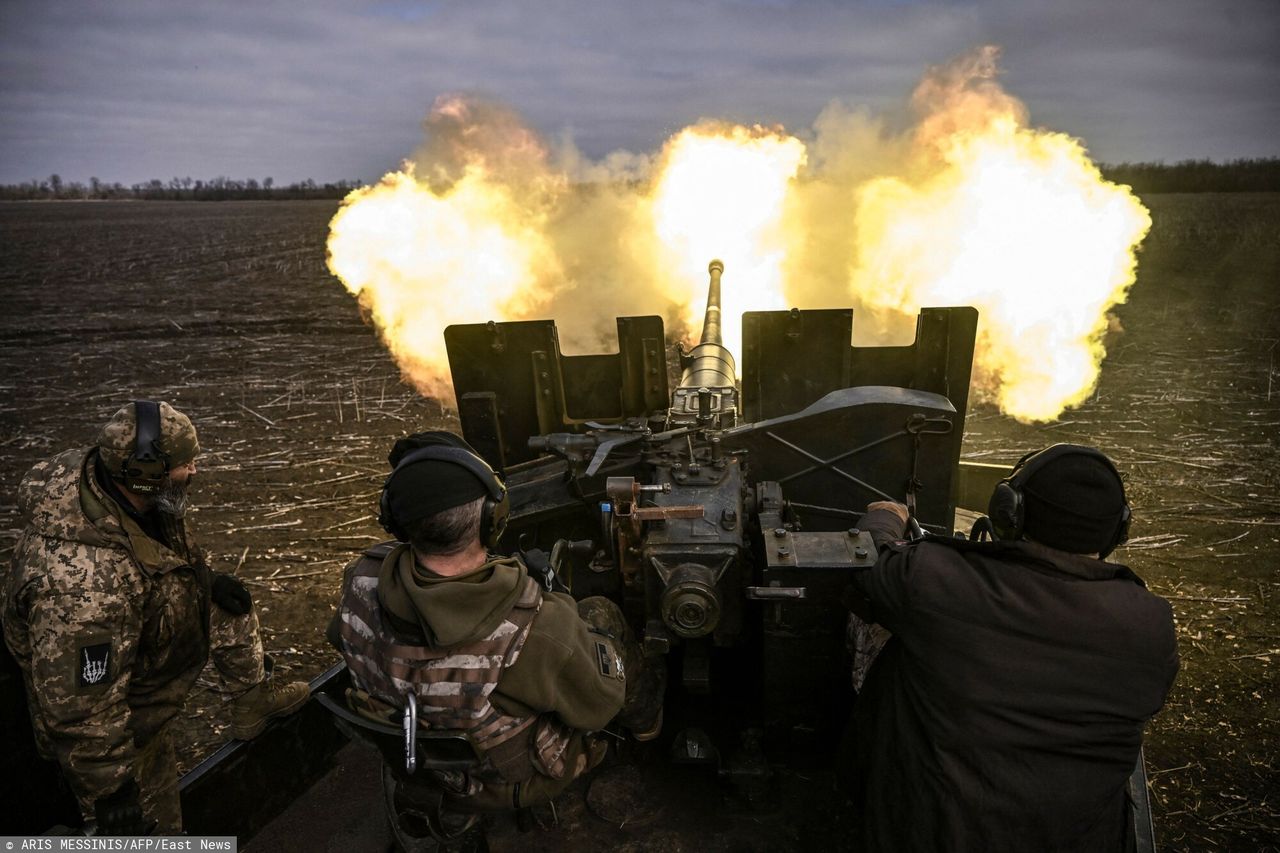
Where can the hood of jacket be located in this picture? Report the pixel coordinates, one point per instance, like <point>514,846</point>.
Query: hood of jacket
<point>49,500</point>
<point>60,499</point>
<point>448,611</point>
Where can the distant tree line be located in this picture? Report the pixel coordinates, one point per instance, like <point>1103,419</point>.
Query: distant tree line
<point>175,189</point>
<point>1187,176</point>
<point>1198,176</point>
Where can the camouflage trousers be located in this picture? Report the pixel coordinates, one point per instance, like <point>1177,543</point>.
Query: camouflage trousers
<point>865,640</point>
<point>156,771</point>
<point>236,654</point>
<point>646,677</point>
<point>235,648</point>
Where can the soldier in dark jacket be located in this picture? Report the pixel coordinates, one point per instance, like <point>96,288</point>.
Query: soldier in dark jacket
<point>112,612</point>
<point>1006,711</point>
<point>527,675</point>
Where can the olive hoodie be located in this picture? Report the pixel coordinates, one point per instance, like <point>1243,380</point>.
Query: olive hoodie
<point>558,669</point>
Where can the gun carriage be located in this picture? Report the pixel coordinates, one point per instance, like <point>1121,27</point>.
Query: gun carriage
<point>721,514</point>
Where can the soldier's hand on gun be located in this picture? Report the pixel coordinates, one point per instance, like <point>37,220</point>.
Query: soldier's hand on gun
<point>231,595</point>
<point>896,508</point>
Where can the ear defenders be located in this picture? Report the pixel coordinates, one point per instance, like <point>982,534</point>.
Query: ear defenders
<point>146,467</point>
<point>494,512</point>
<point>1008,508</point>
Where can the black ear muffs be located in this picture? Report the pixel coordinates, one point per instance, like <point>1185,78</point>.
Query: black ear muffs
<point>494,512</point>
<point>1122,531</point>
<point>386,519</point>
<point>144,470</point>
<point>1006,511</point>
<point>1007,508</point>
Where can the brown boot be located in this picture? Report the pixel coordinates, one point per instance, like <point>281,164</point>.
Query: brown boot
<point>265,701</point>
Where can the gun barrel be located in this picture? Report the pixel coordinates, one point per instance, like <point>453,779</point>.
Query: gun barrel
<point>710,364</point>
<point>711,321</point>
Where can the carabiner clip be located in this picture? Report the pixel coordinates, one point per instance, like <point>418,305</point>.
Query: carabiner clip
<point>411,734</point>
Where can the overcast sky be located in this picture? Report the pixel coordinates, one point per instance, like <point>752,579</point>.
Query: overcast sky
<point>127,91</point>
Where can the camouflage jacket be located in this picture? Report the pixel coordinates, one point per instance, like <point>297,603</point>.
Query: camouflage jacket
<point>109,625</point>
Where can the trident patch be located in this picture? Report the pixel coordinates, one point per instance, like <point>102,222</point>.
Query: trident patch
<point>94,664</point>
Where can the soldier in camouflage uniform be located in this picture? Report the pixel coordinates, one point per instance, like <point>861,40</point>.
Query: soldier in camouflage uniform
<point>526,674</point>
<point>112,611</point>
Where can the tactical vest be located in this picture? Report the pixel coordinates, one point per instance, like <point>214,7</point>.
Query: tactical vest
<point>452,686</point>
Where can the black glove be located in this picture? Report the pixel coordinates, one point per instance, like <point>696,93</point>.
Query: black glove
<point>231,595</point>
<point>120,813</point>
<point>538,562</point>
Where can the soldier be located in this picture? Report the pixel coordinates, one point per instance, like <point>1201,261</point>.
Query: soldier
<point>1006,711</point>
<point>107,608</point>
<point>525,674</point>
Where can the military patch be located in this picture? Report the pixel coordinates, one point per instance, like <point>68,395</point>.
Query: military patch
<point>604,660</point>
<point>610,664</point>
<point>94,665</point>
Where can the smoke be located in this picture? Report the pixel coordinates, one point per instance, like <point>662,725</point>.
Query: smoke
<point>962,99</point>
<point>964,204</point>
<point>474,134</point>
<point>570,200</point>
<point>1013,220</point>
<point>602,237</point>
<point>969,205</point>
<point>848,146</point>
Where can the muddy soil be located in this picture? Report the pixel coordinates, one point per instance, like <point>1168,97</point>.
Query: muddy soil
<point>227,311</point>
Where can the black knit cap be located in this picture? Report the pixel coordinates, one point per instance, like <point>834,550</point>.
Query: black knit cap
<point>1074,503</point>
<point>429,486</point>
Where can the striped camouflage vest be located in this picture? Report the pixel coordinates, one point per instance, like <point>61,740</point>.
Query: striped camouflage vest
<point>453,685</point>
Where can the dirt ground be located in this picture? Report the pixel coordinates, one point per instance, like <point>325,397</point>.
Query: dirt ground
<point>227,311</point>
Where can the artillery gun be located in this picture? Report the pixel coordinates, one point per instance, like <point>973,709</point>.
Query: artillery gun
<point>722,514</point>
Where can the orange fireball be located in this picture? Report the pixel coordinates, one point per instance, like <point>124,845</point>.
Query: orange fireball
<point>971,206</point>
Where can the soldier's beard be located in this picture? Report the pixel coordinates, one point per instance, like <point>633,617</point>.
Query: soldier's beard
<point>172,497</point>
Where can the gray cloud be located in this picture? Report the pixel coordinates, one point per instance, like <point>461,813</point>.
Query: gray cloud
<point>132,90</point>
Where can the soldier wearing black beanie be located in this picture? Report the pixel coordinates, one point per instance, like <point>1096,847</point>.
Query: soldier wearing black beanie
<point>422,489</point>
<point>1074,501</point>
<point>1005,711</point>
<point>525,674</point>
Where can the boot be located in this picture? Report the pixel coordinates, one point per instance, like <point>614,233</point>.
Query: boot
<point>641,712</point>
<point>650,732</point>
<point>265,701</point>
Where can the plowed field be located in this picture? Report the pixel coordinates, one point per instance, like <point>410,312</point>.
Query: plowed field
<point>227,311</point>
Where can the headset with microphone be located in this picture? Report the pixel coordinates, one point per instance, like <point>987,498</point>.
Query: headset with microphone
<point>146,467</point>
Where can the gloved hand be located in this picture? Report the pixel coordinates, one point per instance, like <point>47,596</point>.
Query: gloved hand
<point>538,562</point>
<point>231,595</point>
<point>120,813</point>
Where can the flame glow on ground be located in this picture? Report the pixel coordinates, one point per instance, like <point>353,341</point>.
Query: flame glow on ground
<point>970,207</point>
